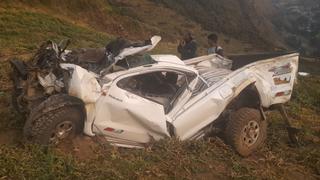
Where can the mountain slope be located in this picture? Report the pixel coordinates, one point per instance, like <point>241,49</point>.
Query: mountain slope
<point>139,19</point>
<point>241,19</point>
<point>242,25</point>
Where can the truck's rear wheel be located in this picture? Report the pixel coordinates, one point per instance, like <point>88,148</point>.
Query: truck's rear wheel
<point>246,130</point>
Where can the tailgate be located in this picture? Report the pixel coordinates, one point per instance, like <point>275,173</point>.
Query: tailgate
<point>277,76</point>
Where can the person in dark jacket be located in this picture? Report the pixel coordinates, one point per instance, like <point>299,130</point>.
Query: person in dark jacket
<point>187,47</point>
<point>213,45</point>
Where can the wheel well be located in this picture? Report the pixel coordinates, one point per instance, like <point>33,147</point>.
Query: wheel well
<point>249,97</point>
<point>56,102</point>
<point>52,104</point>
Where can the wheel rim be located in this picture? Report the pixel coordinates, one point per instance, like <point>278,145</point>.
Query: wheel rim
<point>250,133</point>
<point>61,131</point>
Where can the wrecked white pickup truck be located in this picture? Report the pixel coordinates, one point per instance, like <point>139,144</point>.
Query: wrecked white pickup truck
<point>132,98</point>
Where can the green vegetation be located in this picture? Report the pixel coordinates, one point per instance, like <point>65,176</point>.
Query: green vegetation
<point>22,31</point>
<point>307,93</point>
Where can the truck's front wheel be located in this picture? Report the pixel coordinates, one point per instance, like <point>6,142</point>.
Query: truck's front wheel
<point>246,130</point>
<point>52,121</point>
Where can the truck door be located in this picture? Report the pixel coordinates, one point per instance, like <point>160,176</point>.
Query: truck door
<point>136,104</point>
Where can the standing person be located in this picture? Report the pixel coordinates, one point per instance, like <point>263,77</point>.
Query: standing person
<point>187,47</point>
<point>213,45</point>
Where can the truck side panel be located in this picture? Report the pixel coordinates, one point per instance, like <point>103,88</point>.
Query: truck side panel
<point>274,79</point>
<point>204,108</point>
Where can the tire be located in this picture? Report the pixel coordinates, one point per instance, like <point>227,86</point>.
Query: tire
<point>46,122</point>
<point>50,104</point>
<point>55,126</point>
<point>246,131</point>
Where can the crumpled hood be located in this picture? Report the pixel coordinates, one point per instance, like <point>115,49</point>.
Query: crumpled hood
<point>135,50</point>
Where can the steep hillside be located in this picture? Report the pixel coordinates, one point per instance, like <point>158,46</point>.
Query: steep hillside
<point>22,31</point>
<point>136,19</point>
<point>299,23</point>
<point>241,19</point>
<point>243,25</point>
<point>25,24</point>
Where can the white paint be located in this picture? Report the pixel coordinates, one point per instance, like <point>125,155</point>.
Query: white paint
<point>139,120</point>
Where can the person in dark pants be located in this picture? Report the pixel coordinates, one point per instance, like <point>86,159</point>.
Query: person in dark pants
<point>213,45</point>
<point>187,47</point>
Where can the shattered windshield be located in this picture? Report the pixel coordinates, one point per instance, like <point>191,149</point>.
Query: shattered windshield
<point>136,60</point>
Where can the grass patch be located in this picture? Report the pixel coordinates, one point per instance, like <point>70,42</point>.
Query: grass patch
<point>22,31</point>
<point>307,92</point>
<point>304,110</point>
<point>33,162</point>
<point>168,159</point>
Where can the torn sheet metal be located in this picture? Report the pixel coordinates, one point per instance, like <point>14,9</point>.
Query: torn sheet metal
<point>83,84</point>
<point>212,61</point>
<point>135,50</point>
<point>50,83</point>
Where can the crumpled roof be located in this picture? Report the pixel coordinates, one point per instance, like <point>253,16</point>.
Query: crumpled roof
<point>210,76</point>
